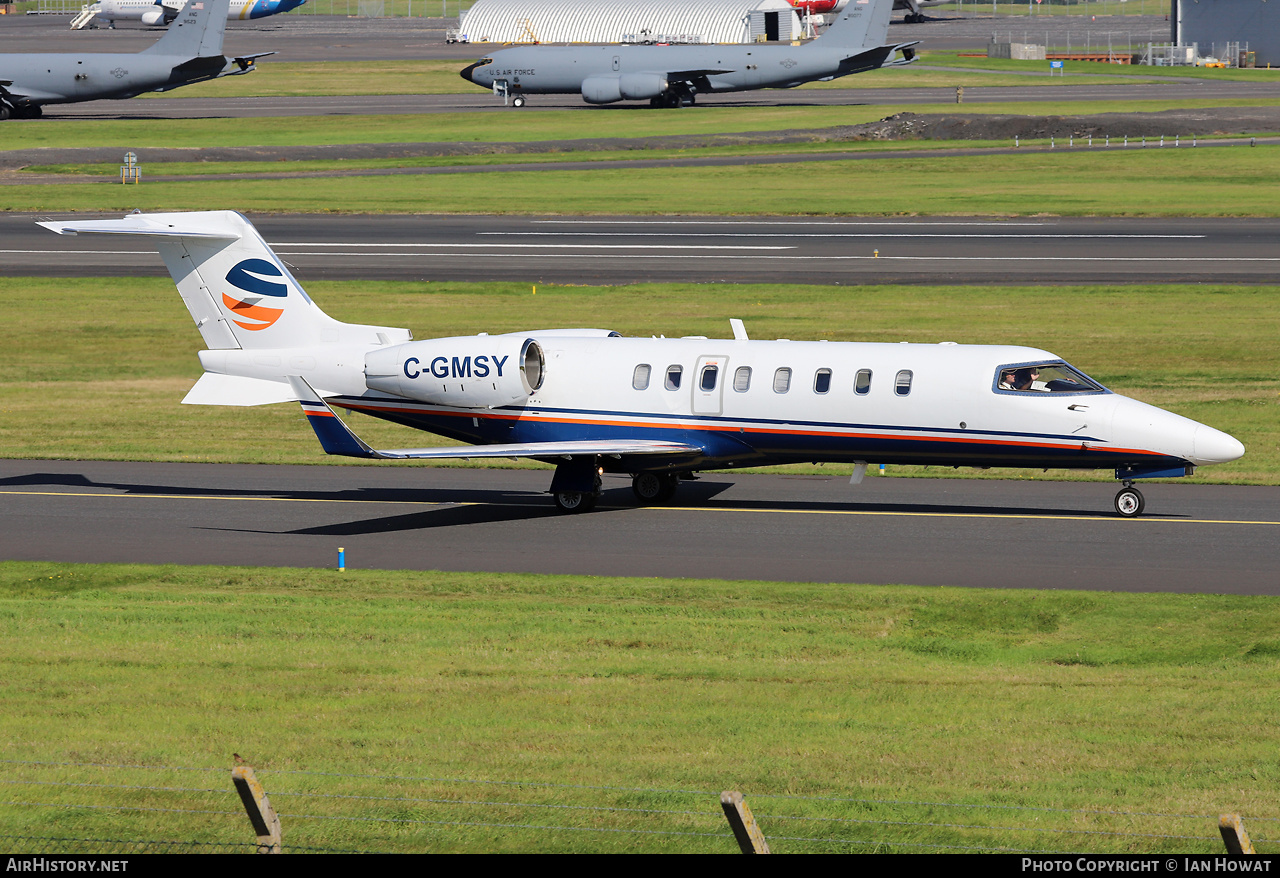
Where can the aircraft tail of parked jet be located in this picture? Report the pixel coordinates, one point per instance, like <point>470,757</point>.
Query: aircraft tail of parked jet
<point>862,24</point>
<point>199,36</point>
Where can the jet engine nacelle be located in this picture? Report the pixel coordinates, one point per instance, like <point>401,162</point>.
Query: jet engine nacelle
<point>641,86</point>
<point>628,86</point>
<point>152,17</point>
<point>601,89</point>
<point>474,371</point>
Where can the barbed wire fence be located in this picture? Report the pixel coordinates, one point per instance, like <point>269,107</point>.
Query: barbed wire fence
<point>98,808</point>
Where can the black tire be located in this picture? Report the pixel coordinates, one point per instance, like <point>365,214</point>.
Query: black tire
<point>517,101</point>
<point>1130,503</point>
<point>575,501</point>
<point>5,112</point>
<point>652,488</point>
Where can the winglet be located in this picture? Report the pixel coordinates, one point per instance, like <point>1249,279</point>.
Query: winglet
<point>335,437</point>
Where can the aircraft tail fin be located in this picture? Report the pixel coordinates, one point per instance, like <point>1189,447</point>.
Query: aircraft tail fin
<point>863,24</point>
<point>196,32</point>
<point>237,290</point>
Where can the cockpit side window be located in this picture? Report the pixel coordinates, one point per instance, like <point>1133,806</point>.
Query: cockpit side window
<point>1051,377</point>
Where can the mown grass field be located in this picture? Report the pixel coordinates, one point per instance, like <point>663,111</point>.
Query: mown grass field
<point>1212,181</point>
<point>96,368</point>
<point>619,120</point>
<point>391,711</point>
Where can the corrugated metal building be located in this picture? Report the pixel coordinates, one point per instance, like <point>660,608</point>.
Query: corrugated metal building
<point>629,21</point>
<point>1243,25</point>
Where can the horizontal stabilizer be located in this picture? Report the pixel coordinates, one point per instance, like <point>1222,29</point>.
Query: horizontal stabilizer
<point>336,438</point>
<point>217,389</point>
<point>152,225</point>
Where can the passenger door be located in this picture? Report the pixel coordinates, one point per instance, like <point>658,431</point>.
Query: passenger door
<point>708,384</point>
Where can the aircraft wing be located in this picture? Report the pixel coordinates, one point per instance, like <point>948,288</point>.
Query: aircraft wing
<point>336,438</point>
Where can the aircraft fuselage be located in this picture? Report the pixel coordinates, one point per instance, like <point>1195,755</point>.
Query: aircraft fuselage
<point>65,79</point>
<point>772,402</point>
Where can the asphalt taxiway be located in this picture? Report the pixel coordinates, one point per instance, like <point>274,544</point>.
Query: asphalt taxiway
<point>998,534</point>
<point>620,250</point>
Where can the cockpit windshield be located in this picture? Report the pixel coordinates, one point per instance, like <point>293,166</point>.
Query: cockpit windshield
<point>1052,377</point>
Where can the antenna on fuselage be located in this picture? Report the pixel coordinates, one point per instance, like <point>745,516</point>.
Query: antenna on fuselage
<point>739,330</point>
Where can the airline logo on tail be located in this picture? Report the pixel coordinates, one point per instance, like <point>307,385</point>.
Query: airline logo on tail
<point>254,276</point>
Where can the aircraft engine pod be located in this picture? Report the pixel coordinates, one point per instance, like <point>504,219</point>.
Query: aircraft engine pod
<point>641,86</point>
<point>628,86</point>
<point>152,17</point>
<point>478,371</point>
<point>601,89</point>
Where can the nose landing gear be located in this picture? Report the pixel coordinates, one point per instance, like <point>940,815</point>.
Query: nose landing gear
<point>1130,502</point>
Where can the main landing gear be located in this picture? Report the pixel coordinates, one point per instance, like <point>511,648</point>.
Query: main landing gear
<point>576,486</point>
<point>673,99</point>
<point>653,488</point>
<point>576,501</point>
<point>1130,502</point>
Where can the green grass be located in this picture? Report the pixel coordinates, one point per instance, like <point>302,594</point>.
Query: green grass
<point>391,703</point>
<point>95,368</point>
<point>1212,181</point>
<point>621,120</point>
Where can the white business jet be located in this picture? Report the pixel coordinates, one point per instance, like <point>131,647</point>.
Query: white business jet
<point>658,409</point>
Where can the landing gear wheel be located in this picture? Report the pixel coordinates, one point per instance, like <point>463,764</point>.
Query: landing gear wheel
<point>672,100</point>
<point>517,101</point>
<point>575,501</point>
<point>1130,502</point>
<point>651,488</point>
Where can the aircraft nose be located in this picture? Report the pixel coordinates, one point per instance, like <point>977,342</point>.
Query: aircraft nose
<point>1213,446</point>
<point>466,71</point>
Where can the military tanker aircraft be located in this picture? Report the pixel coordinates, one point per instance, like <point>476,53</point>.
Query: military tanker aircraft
<point>190,51</point>
<point>673,76</point>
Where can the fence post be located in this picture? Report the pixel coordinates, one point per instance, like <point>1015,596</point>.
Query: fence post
<point>261,815</point>
<point>1233,835</point>
<point>745,830</point>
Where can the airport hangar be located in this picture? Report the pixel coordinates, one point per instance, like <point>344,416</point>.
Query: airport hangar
<point>1253,24</point>
<point>629,21</point>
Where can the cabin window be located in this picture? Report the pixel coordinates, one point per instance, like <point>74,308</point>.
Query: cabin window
<point>862,382</point>
<point>902,384</point>
<point>1056,377</point>
<point>742,379</point>
<point>673,377</point>
<point>640,378</point>
<point>709,375</point>
<point>822,381</point>
<point>782,380</point>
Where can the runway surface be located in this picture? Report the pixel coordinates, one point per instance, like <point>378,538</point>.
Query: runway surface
<point>479,101</point>
<point>1057,535</point>
<point>620,250</point>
